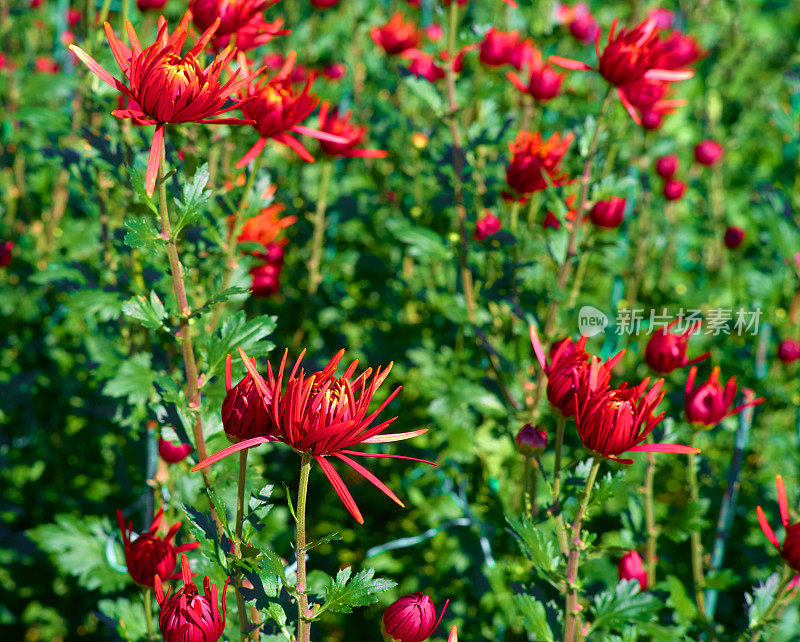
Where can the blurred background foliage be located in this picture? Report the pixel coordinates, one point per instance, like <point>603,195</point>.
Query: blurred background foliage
<point>81,379</point>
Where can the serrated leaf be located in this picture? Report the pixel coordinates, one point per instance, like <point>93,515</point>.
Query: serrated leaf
<point>759,600</point>
<point>219,298</point>
<point>195,194</point>
<point>679,601</point>
<point>133,380</point>
<point>149,312</point>
<point>127,616</point>
<point>77,545</point>
<point>238,332</point>
<point>626,605</point>
<point>137,182</point>
<point>142,233</point>
<point>342,594</point>
<point>535,545</point>
<point>534,617</point>
<point>97,304</point>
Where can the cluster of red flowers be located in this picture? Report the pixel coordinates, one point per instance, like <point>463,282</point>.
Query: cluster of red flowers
<point>265,229</point>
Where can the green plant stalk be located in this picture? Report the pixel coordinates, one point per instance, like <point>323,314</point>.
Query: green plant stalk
<point>233,240</point>
<point>237,547</point>
<point>303,613</point>
<point>318,238</point>
<point>753,633</point>
<point>696,542</point>
<point>148,612</point>
<point>650,520</point>
<point>561,531</point>
<point>571,629</point>
<point>187,350</point>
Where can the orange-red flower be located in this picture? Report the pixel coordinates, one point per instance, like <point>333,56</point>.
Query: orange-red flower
<point>397,35</point>
<point>325,416</point>
<point>241,20</point>
<point>265,227</point>
<point>533,157</point>
<point>167,87</point>
<point>332,123</point>
<point>276,108</point>
<point>790,549</point>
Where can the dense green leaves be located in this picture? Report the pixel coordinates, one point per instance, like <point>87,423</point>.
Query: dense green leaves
<point>342,594</point>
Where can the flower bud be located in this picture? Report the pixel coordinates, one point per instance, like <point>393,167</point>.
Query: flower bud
<point>584,28</point>
<point>733,237</point>
<point>666,166</point>
<point>244,414</point>
<point>531,441</point>
<point>666,352</point>
<point>674,189</point>
<point>707,152</point>
<point>709,402</point>
<point>412,618</point>
<point>324,4</point>
<point>608,213</point>
<point>5,253</point>
<point>631,568</point>
<point>789,351</point>
<point>487,225</point>
<point>173,453</point>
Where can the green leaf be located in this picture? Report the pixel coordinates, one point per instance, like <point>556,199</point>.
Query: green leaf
<point>238,332</point>
<point>150,313</point>
<point>142,233</point>
<point>535,545</point>
<point>423,242</point>
<point>219,298</point>
<point>96,304</point>
<point>77,545</point>
<point>426,92</point>
<point>626,605</point>
<point>534,617</point>
<point>128,615</point>
<point>683,606</point>
<point>137,182</point>
<point>58,272</point>
<point>195,194</point>
<point>341,595</point>
<point>133,380</point>
<point>759,600</point>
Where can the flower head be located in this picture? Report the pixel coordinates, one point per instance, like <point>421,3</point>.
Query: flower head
<point>733,237</point>
<point>173,453</point>
<point>423,65</point>
<point>165,86</point>
<point>666,351</point>
<point>485,226</point>
<point>709,403</point>
<point>608,213</point>
<point>613,421</point>
<point>412,618</point>
<point>707,152</point>
<point>148,555</point>
<point>543,82</point>
<point>630,567</point>
<point>6,249</point>
<point>666,166</point>
<point>266,226</point>
<point>533,157</point>
<point>531,440</point>
<point>241,20</point>
<point>188,616</point>
<point>244,413</point>
<point>674,189</point>
<point>397,35</point>
<point>500,48</point>
<point>324,416</point>
<point>790,549</point>
<point>788,351</point>
<point>331,122</point>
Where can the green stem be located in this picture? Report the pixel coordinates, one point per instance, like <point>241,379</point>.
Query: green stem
<point>233,239</point>
<point>696,542</point>
<point>189,363</point>
<point>237,546</point>
<point>318,239</point>
<point>753,633</point>
<point>303,613</point>
<point>148,612</point>
<point>571,629</point>
<point>561,531</point>
<point>650,520</point>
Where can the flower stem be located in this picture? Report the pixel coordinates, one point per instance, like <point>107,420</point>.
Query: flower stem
<point>571,630</point>
<point>148,612</point>
<point>696,542</point>
<point>753,633</point>
<point>650,520</point>
<point>303,613</point>
<point>318,239</point>
<point>233,239</point>
<point>561,531</point>
<point>189,363</point>
<point>237,544</point>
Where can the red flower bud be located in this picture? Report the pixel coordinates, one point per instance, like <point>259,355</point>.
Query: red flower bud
<point>155,5</point>
<point>789,351</point>
<point>486,226</point>
<point>244,414</point>
<point>709,403</point>
<point>149,555</point>
<point>531,441</point>
<point>173,453</point>
<point>674,189</point>
<point>324,4</point>
<point>631,568</point>
<point>188,616</point>
<point>707,152</point>
<point>666,352</point>
<point>5,253</point>
<point>667,165</point>
<point>733,237</point>
<point>499,48</point>
<point>412,618</point>
<point>584,28</point>
<point>543,83</point>
<point>608,213</point>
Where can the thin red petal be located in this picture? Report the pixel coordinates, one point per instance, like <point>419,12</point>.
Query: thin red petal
<point>665,448</point>
<point>340,488</point>
<point>569,63</point>
<point>154,160</point>
<point>762,521</point>
<point>235,448</point>
<point>370,477</point>
<point>783,505</point>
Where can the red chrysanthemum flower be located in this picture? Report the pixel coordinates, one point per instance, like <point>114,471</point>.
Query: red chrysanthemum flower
<point>149,555</point>
<point>629,56</point>
<point>613,421</point>
<point>397,35</point>
<point>533,157</point>
<point>188,616</point>
<point>265,227</point>
<point>708,403</point>
<point>277,108</point>
<point>325,416</point>
<point>790,549</point>
<point>331,122</point>
<point>412,618</point>
<point>423,65</point>
<point>165,87</point>
<point>666,352</point>
<point>240,20</point>
<point>244,413</point>
<point>543,82</point>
